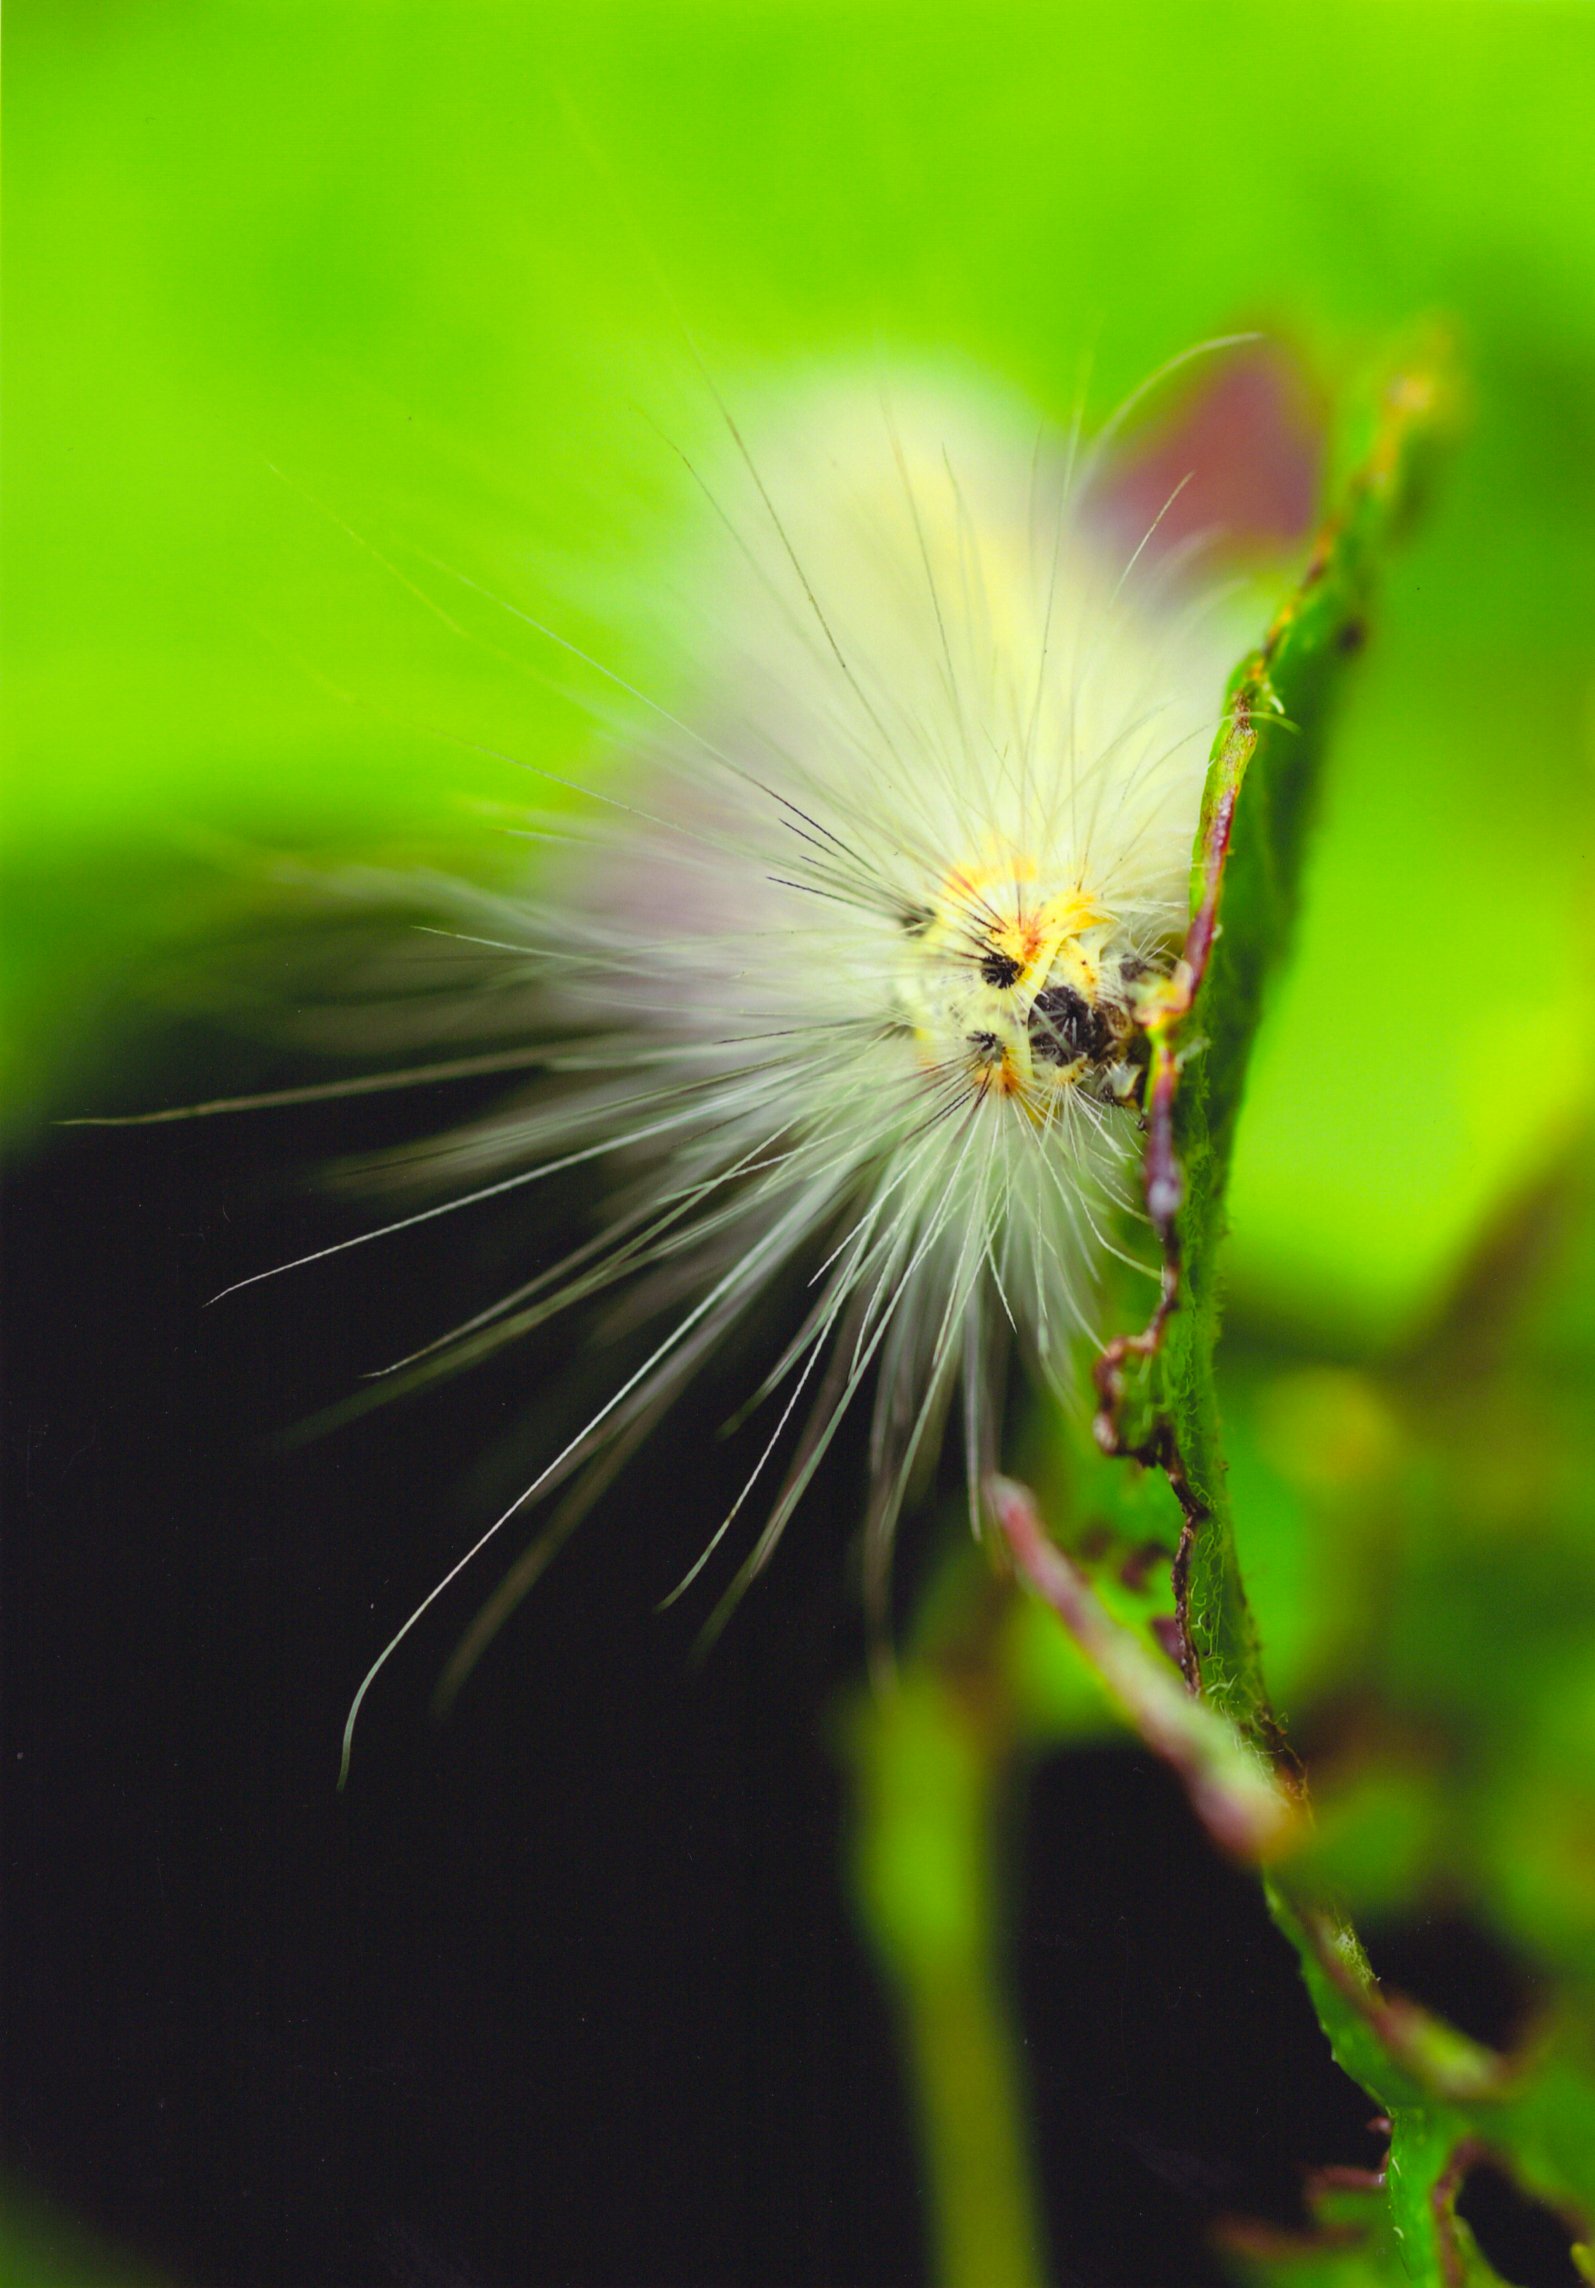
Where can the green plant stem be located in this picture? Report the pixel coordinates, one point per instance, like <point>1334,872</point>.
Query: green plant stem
<point>934,1765</point>
<point>973,2134</point>
<point>1447,2100</point>
<point>936,1761</point>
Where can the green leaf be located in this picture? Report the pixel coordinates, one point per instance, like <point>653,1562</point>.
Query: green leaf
<point>1258,803</point>
<point>1448,2101</point>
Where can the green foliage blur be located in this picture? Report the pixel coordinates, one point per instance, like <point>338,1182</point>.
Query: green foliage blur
<point>299,296</point>
<point>421,260</point>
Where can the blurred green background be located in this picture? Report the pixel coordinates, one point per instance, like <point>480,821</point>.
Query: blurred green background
<point>285,281</point>
<point>412,257</point>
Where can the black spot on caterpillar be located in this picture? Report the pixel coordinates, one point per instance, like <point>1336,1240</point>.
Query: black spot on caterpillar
<point>1000,969</point>
<point>1064,1026</point>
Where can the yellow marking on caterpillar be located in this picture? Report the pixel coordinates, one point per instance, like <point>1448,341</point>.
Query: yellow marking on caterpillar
<point>971,978</point>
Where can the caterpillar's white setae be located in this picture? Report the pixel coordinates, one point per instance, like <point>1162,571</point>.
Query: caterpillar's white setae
<point>844,963</point>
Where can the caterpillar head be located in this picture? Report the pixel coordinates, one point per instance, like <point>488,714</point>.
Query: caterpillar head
<point>1031,989</point>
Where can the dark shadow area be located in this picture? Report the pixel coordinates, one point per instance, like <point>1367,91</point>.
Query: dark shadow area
<point>1178,2071</point>
<point>1458,1969</point>
<point>1524,2241</point>
<point>564,1989</point>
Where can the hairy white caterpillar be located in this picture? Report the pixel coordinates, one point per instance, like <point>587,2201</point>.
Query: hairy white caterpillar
<point>841,966</point>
